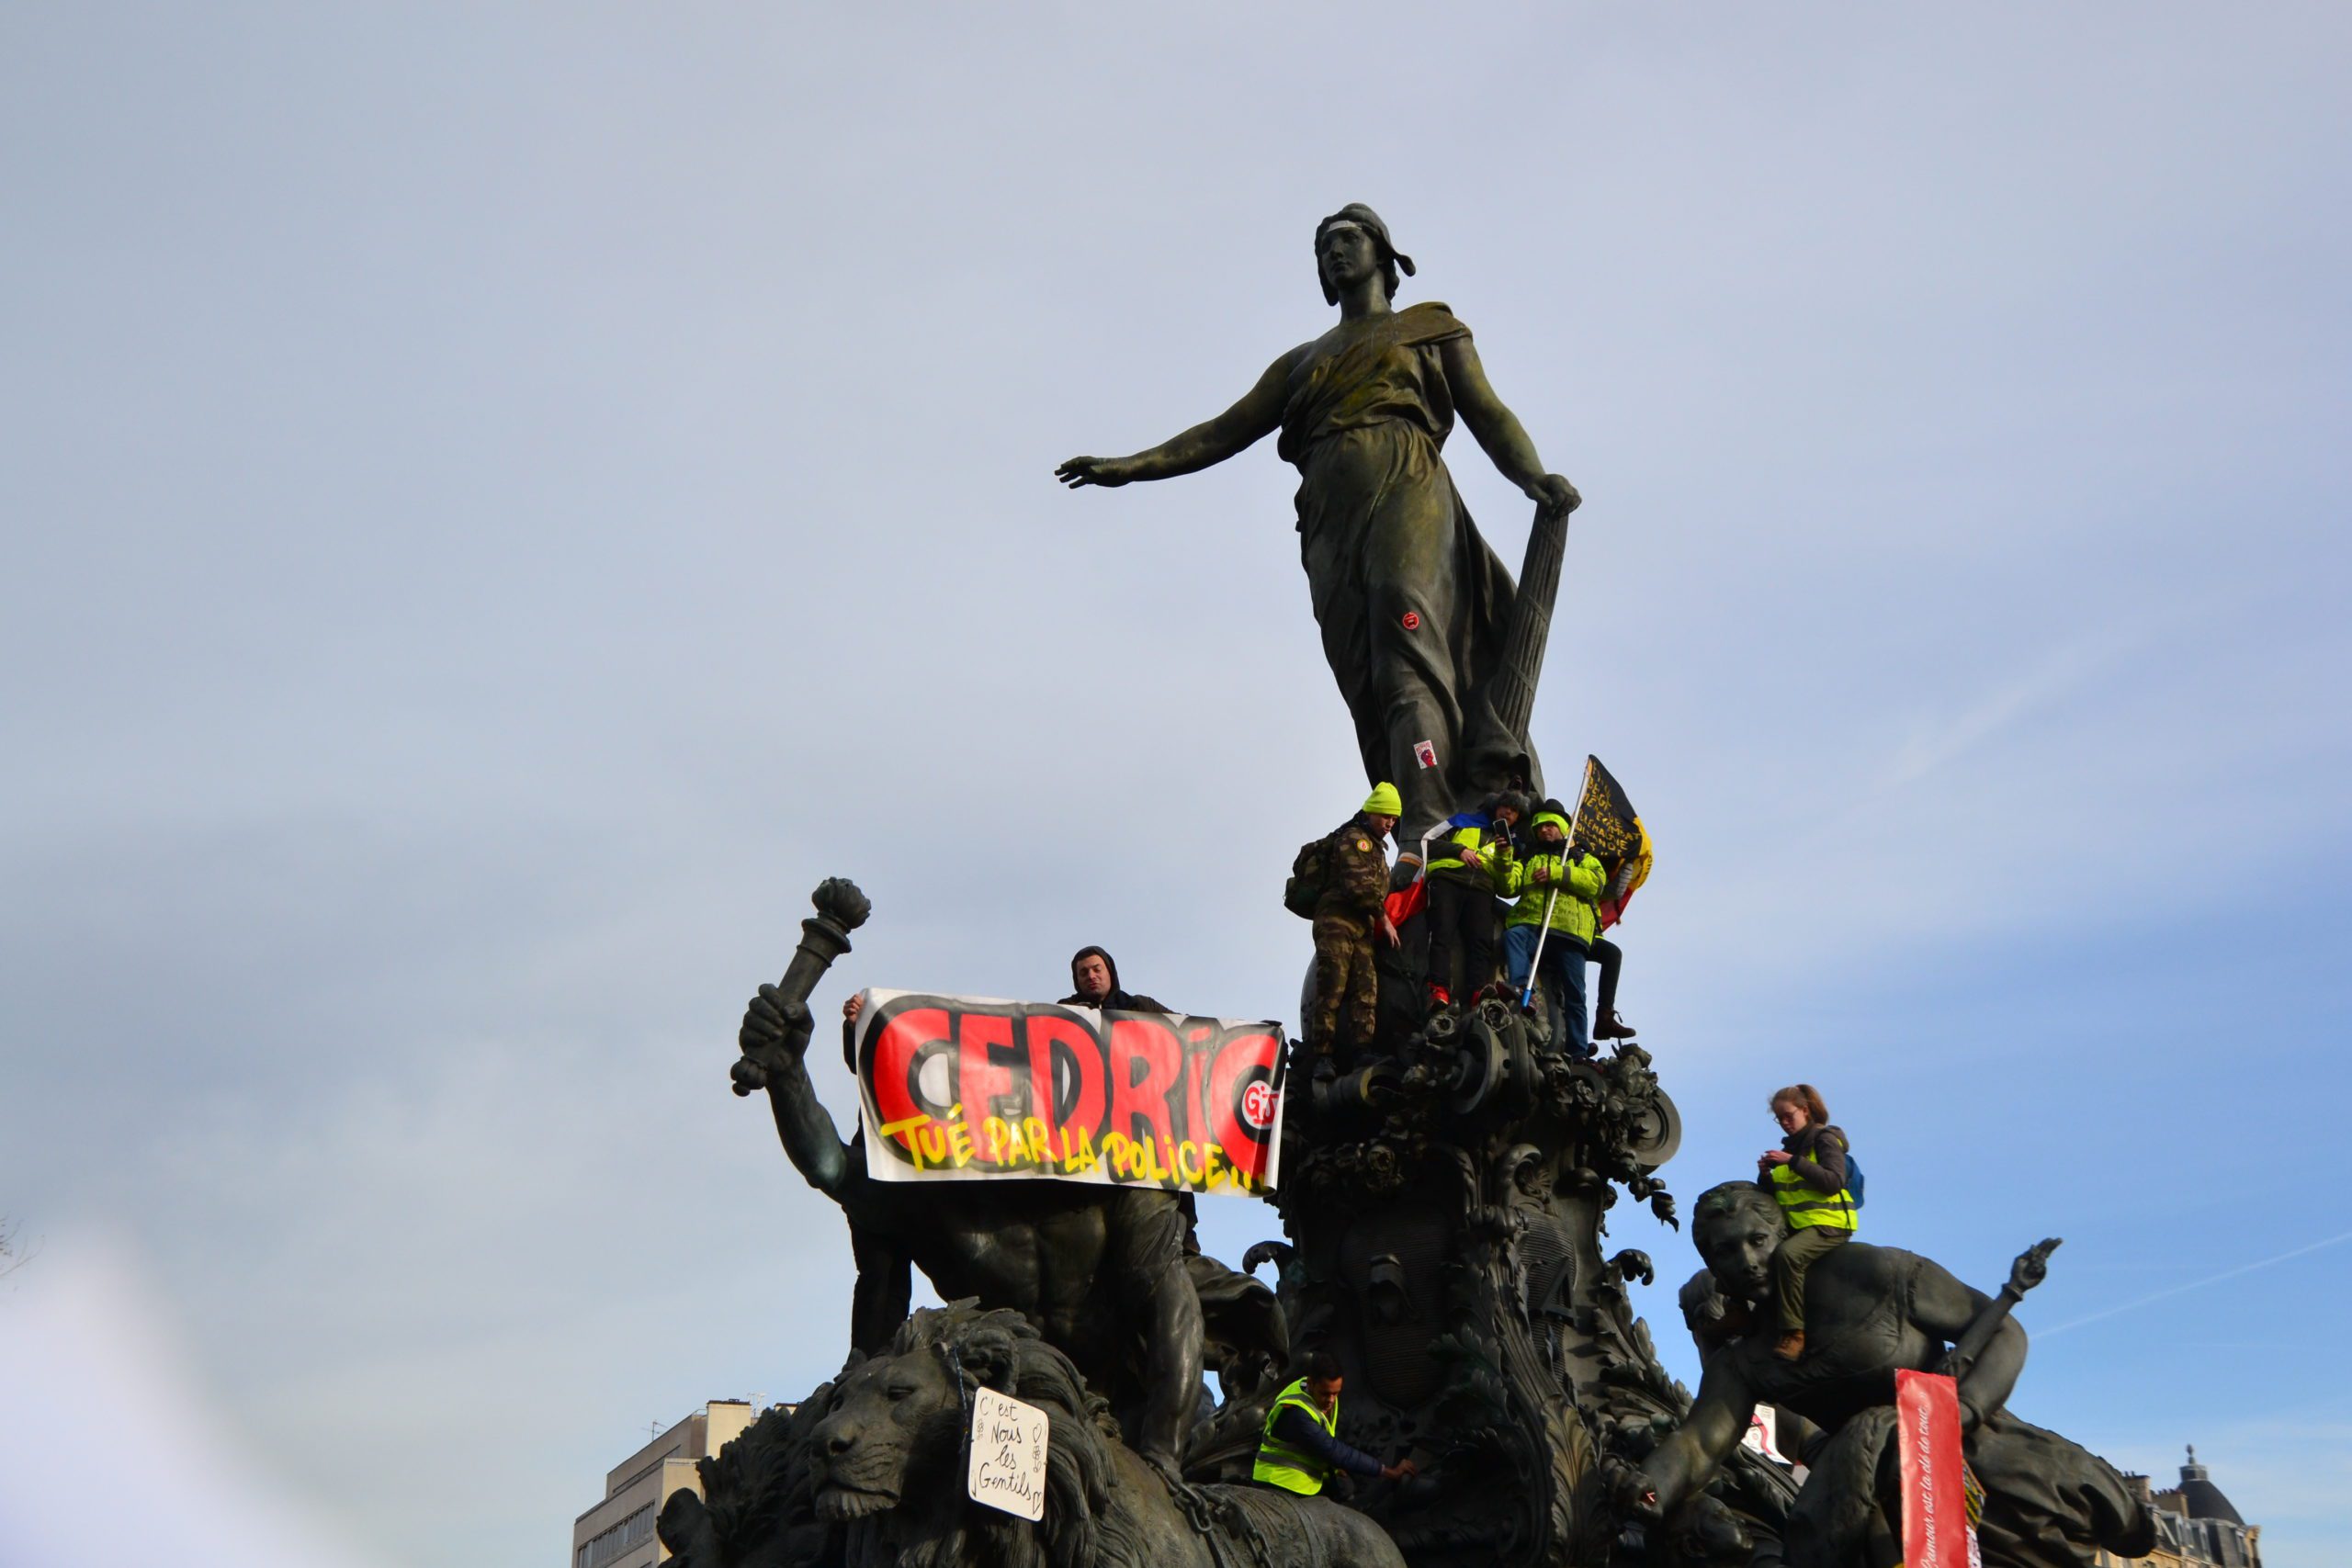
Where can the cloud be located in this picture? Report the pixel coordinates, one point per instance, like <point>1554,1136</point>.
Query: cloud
<point>112,1452</point>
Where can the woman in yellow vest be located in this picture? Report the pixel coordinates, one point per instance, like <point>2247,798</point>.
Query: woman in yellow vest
<point>1806,1176</point>
<point>1300,1447</point>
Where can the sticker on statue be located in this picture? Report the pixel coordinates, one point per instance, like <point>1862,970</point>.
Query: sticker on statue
<point>1008,1469</point>
<point>1424,753</point>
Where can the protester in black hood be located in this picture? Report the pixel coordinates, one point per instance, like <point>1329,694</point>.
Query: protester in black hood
<point>1096,974</point>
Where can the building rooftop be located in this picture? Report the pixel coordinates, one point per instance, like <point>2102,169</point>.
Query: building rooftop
<point>2204,1500</point>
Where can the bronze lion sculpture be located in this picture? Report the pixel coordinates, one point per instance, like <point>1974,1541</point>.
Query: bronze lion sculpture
<point>869,1473</point>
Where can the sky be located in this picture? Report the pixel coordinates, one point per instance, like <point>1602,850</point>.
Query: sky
<point>502,500</point>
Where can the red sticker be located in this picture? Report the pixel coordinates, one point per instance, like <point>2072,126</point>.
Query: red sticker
<point>1412,620</point>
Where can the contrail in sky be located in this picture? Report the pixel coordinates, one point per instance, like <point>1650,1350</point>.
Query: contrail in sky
<point>2198,1284</point>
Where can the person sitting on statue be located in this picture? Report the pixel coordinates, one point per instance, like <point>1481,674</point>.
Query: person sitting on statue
<point>1352,905</point>
<point>1462,865</point>
<point>1553,925</point>
<point>2047,1503</point>
<point>1095,974</point>
<point>1806,1176</point>
<point>1300,1449</point>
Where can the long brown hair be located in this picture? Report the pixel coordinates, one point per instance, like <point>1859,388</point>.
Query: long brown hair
<point>1802,1094</point>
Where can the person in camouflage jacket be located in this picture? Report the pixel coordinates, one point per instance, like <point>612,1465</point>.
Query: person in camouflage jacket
<point>1351,907</point>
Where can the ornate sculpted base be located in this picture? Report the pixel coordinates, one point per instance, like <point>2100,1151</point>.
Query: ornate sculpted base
<point>1446,1209</point>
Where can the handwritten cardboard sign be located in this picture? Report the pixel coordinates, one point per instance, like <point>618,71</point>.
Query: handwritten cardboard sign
<point>1008,1468</point>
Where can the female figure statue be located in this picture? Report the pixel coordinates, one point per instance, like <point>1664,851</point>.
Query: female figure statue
<point>1411,600</point>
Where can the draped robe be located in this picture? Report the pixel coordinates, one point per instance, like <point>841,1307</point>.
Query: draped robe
<point>1411,602</point>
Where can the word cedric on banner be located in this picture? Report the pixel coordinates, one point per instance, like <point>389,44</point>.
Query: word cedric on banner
<point>960,1087</point>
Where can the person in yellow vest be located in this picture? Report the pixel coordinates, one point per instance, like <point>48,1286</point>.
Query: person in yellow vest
<point>1464,863</point>
<point>1553,924</point>
<point>1300,1446</point>
<point>1806,1176</point>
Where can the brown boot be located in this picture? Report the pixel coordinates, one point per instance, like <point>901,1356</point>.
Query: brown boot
<point>1609,1026</point>
<point>1789,1344</point>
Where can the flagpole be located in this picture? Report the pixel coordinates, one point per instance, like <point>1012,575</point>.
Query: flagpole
<point>1528,996</point>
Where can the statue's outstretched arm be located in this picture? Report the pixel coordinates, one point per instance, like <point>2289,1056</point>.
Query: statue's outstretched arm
<point>1258,415</point>
<point>1942,1306</point>
<point>1718,1419</point>
<point>775,1036</point>
<point>1498,431</point>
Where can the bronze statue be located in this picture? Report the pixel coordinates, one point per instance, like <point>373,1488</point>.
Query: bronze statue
<point>869,1473</point>
<point>1100,1272</point>
<point>1871,1309</point>
<point>1414,607</point>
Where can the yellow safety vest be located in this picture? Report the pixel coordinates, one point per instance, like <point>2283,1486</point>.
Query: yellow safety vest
<point>1280,1465</point>
<point>1801,1206</point>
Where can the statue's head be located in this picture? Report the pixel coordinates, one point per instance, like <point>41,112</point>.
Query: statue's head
<point>1351,245</point>
<point>1736,1226</point>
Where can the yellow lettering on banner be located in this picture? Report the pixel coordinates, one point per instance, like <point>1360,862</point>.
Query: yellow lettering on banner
<point>1033,1134</point>
<point>1212,1166</point>
<point>1188,1162</point>
<point>908,1132</point>
<point>1115,1149</point>
<point>996,1136</point>
<point>934,1139</point>
<point>1086,1156</point>
<point>960,1142</point>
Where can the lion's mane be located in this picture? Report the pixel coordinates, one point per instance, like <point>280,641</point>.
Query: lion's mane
<point>1083,1526</point>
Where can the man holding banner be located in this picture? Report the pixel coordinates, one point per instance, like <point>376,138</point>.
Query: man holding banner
<point>1094,980</point>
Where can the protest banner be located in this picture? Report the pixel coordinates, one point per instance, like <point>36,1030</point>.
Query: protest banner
<point>1935,1508</point>
<point>962,1088</point>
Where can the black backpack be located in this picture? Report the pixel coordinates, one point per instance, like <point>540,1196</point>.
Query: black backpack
<point>1308,872</point>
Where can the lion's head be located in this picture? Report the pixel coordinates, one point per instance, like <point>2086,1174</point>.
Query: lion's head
<point>888,1454</point>
<point>895,1423</point>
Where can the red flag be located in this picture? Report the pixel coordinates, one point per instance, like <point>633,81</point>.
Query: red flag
<point>1406,902</point>
<point>1935,1511</point>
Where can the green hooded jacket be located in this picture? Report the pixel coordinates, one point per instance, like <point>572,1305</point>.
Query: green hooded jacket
<point>1575,913</point>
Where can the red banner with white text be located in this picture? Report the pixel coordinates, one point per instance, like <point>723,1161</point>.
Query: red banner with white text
<point>961,1087</point>
<point>1935,1507</point>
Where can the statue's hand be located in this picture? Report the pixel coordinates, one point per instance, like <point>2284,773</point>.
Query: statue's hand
<point>1553,493</point>
<point>1108,472</point>
<point>775,1023</point>
<point>1632,1494</point>
<point>2033,1266</point>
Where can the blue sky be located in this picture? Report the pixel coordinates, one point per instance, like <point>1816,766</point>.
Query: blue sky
<point>502,500</point>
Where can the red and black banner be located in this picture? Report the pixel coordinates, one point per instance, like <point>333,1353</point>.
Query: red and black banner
<point>958,1089</point>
